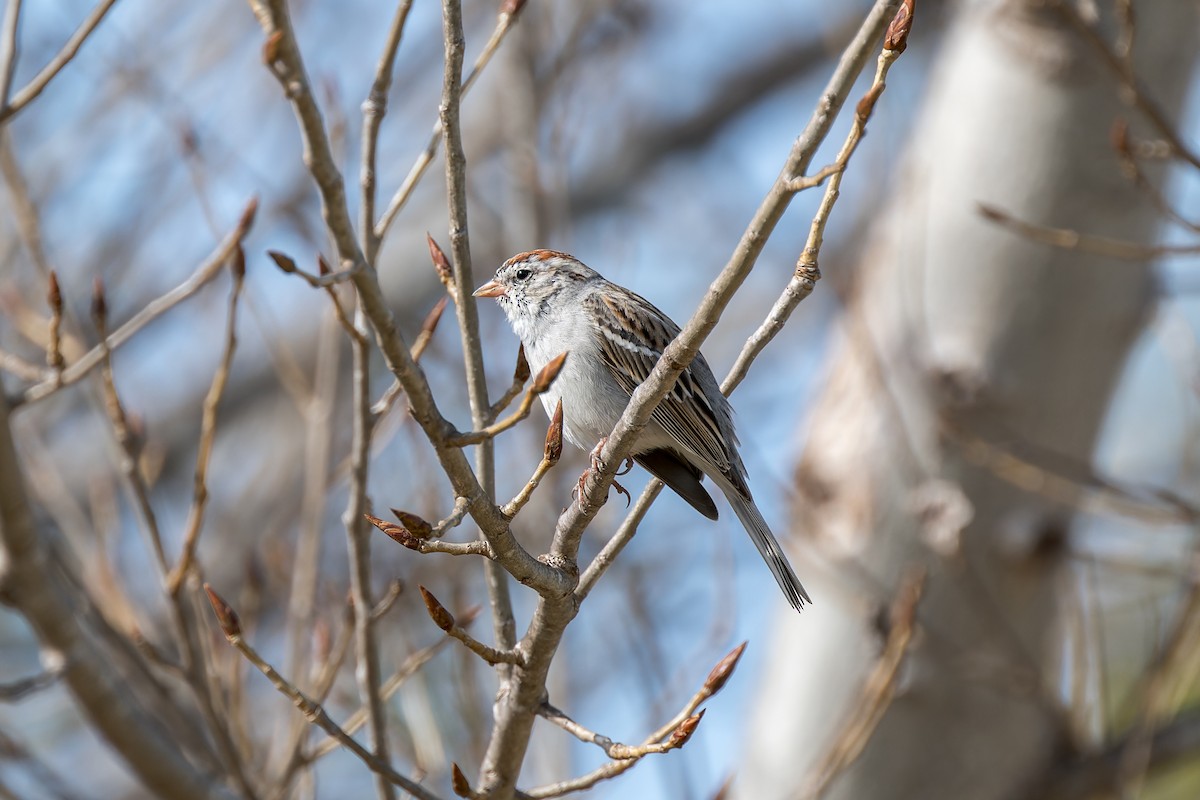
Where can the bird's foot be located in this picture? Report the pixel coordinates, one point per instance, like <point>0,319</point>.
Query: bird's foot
<point>597,465</point>
<point>581,497</point>
<point>594,456</point>
<point>598,462</point>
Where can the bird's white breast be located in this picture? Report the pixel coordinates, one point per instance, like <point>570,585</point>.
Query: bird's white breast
<point>592,401</point>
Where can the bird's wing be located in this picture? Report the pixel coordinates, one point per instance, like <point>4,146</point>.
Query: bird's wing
<point>633,334</point>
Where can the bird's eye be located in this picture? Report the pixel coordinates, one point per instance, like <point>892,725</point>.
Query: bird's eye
<point>523,274</point>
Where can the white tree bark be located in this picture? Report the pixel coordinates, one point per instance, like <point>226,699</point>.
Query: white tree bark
<point>957,320</point>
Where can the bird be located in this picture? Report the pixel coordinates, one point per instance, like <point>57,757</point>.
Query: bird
<point>555,304</point>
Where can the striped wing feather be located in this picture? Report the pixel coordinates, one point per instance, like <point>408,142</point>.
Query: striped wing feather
<point>633,334</point>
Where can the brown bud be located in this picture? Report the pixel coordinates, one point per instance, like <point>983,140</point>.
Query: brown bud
<point>724,668</point>
<point>323,267</point>
<point>248,215</point>
<point>99,304</point>
<point>434,316</point>
<point>991,213</point>
<point>322,640</point>
<point>54,295</point>
<point>458,782</point>
<point>896,38</point>
<point>270,51</point>
<point>227,618</point>
<point>440,262</point>
<point>862,111</point>
<point>1120,137</point>
<point>398,533</point>
<point>521,371</point>
<point>441,617</point>
<point>549,372</point>
<point>416,526</point>
<point>685,730</point>
<point>554,436</point>
<point>511,7</point>
<point>238,264</point>
<point>282,261</point>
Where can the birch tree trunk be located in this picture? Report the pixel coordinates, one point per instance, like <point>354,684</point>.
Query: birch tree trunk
<point>960,332</point>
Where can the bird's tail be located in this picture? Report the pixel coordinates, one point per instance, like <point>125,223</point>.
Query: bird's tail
<point>769,549</point>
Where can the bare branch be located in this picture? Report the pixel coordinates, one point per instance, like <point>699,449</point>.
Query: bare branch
<point>1074,240</point>
<point>550,456</point>
<point>445,620</point>
<point>405,537</point>
<point>671,736</point>
<point>540,384</point>
<point>878,689</point>
<point>516,710</point>
<point>1132,92</point>
<point>283,58</point>
<point>505,21</point>
<point>311,710</point>
<point>208,432</point>
<point>31,90</point>
<point>520,375</point>
<point>374,108</point>
<point>406,670</point>
<point>207,270</point>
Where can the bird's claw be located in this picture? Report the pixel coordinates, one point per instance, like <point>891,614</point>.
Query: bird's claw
<point>594,456</point>
<point>621,490</point>
<point>598,466</point>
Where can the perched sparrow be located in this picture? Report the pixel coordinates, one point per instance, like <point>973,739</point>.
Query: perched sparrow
<point>555,304</point>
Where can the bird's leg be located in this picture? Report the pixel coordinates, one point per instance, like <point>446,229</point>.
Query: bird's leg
<point>597,464</point>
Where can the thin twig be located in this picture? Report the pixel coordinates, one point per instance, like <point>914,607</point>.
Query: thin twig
<point>614,750</point>
<point>405,671</point>
<point>1132,92</point>
<point>185,628</point>
<point>520,375</point>
<point>126,440</point>
<point>374,109</point>
<point>1050,475</point>
<point>514,713</point>
<point>878,690</point>
<point>449,117</point>
<point>1126,152</point>
<point>381,406</point>
<point>550,455</point>
<point>358,542</point>
<point>25,370</point>
<point>208,432</point>
<point>19,689</point>
<point>1068,239</point>
<point>405,537</point>
<point>539,386</point>
<point>8,48</point>
<point>283,57</point>
<point>31,90</point>
<point>671,736</point>
<point>807,273</point>
<point>386,603</point>
<point>315,406</point>
<point>321,684</point>
<point>505,21</point>
<point>799,287</point>
<point>204,273</point>
<point>445,620</point>
<point>313,711</point>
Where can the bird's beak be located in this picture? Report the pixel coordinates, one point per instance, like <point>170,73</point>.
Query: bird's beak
<point>490,289</point>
